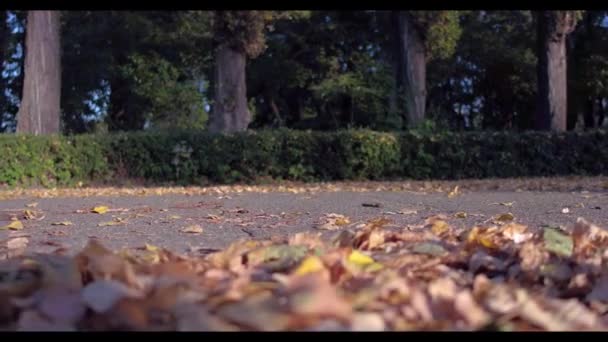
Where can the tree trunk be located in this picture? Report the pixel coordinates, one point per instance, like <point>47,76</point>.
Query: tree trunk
<point>230,111</point>
<point>553,28</point>
<point>589,113</point>
<point>39,112</point>
<point>395,59</point>
<point>413,59</point>
<point>4,37</point>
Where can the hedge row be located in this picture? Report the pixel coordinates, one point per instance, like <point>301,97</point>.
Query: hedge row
<point>201,158</point>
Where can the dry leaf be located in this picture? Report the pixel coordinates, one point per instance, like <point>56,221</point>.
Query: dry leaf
<point>439,227</point>
<point>193,229</point>
<point>102,209</point>
<point>333,222</point>
<point>454,192</point>
<point>62,223</point>
<point>407,211</point>
<point>505,217</point>
<point>310,265</point>
<point>14,225</point>
<point>461,214</point>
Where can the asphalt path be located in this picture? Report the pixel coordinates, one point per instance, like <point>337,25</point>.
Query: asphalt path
<point>159,220</point>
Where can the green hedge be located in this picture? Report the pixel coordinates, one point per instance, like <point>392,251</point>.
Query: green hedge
<point>200,158</point>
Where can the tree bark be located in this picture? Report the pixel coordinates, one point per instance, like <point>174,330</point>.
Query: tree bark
<point>413,59</point>
<point>230,111</point>
<point>39,112</point>
<point>553,28</point>
<point>4,37</point>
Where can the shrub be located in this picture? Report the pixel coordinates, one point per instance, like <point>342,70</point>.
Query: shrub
<point>195,157</point>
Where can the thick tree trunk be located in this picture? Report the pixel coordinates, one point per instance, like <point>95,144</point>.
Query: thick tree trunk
<point>39,112</point>
<point>395,59</point>
<point>413,57</point>
<point>553,29</point>
<point>4,37</point>
<point>230,111</point>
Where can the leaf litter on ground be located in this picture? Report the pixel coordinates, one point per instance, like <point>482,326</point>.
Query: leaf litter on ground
<point>501,276</point>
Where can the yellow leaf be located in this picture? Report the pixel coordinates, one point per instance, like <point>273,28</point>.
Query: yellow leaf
<point>359,258</point>
<point>342,221</point>
<point>102,209</point>
<point>505,217</point>
<point>152,248</point>
<point>14,225</point>
<point>461,214</point>
<point>439,227</point>
<point>310,265</point>
<point>472,237</point>
<point>62,223</point>
<point>193,229</point>
<point>374,267</point>
<point>453,192</point>
<point>486,241</point>
<point>28,214</point>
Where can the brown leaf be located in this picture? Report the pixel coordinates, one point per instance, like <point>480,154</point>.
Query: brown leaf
<point>62,223</point>
<point>260,313</point>
<point>313,295</point>
<point>473,313</point>
<point>333,221</point>
<point>368,321</point>
<point>193,229</point>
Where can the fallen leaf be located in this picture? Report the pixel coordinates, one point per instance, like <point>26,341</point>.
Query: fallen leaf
<point>461,214</point>
<point>102,209</point>
<point>439,227</point>
<point>62,223</point>
<point>14,225</point>
<point>367,321</point>
<point>310,265</point>
<point>506,204</point>
<point>193,229</point>
<point>359,258</point>
<point>516,232</point>
<point>557,242</point>
<point>505,217</point>
<point>32,205</point>
<point>454,192</point>
<point>429,248</point>
<point>116,222</point>
<point>333,222</point>
<point>407,212</point>
<point>33,215</point>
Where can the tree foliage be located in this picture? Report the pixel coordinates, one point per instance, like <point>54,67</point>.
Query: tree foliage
<point>306,69</point>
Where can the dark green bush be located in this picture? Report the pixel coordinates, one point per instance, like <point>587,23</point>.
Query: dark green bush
<point>190,157</point>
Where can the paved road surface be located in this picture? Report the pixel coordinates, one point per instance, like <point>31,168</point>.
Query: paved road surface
<point>158,219</point>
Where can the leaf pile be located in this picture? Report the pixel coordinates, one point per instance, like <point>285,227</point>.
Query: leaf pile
<point>495,277</point>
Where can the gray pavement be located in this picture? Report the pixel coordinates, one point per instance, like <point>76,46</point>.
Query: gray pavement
<point>158,220</point>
